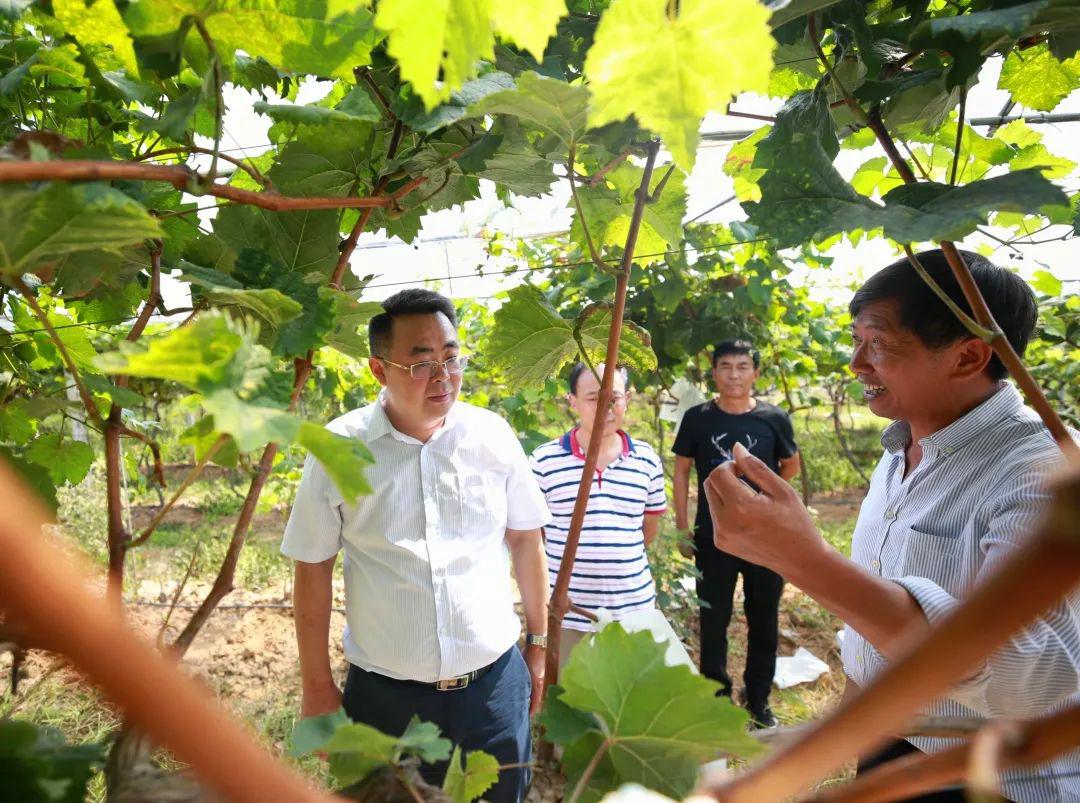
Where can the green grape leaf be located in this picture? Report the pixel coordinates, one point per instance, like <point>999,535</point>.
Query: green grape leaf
<point>530,341</point>
<point>785,11</point>
<point>307,331</point>
<point>15,422</point>
<point>423,739</point>
<point>1046,283</point>
<point>101,386</point>
<point>514,165</point>
<point>563,724</point>
<point>466,782</point>
<point>739,165</point>
<point>880,91</point>
<point>552,105</point>
<point>62,219</point>
<point>1037,79</point>
<point>250,425</point>
<point>67,460</point>
<point>35,476</point>
<point>319,115</point>
<point>608,210</point>
<point>344,460</point>
<point>271,305</point>
<point>668,72</point>
<point>437,47</point>
<point>350,316</point>
<point>301,36</point>
<point>210,353</point>
<point>659,723</point>
<point>635,345</point>
<point>201,436</point>
<point>457,107</point>
<point>356,749</point>
<point>332,160</point>
<point>303,241</point>
<point>968,36</point>
<point>528,25</point>
<point>98,25</point>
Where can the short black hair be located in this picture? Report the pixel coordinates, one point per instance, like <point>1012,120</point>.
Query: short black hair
<point>414,301</point>
<point>736,346</point>
<point>1011,301</point>
<point>580,367</point>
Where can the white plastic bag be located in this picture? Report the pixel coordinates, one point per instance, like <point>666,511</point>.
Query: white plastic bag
<point>802,667</point>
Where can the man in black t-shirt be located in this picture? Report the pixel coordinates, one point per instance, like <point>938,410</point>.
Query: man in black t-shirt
<point>707,434</point>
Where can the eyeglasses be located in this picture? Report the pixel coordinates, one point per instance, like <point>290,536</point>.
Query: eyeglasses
<point>428,369</point>
<point>617,399</point>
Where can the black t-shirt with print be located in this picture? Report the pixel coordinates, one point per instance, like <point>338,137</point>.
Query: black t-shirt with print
<point>708,434</point>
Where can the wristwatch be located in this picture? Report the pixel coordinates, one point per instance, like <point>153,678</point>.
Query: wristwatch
<point>536,640</point>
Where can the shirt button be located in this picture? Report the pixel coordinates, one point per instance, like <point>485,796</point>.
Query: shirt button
<point>890,514</point>
<point>876,565</point>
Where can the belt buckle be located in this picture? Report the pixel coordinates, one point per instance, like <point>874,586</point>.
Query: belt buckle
<point>453,684</point>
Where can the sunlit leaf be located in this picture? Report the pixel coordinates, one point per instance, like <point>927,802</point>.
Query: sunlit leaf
<point>668,71</point>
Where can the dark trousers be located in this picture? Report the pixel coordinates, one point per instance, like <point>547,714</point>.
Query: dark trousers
<point>761,589</point>
<point>897,749</point>
<point>490,714</point>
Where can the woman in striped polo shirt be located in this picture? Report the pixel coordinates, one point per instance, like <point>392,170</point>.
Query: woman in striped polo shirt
<point>611,570</point>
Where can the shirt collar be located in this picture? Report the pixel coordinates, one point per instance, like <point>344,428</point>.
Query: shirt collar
<point>379,423</point>
<point>1000,406</point>
<point>569,442</point>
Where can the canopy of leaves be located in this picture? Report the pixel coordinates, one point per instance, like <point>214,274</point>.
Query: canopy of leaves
<point>38,765</point>
<point>654,724</point>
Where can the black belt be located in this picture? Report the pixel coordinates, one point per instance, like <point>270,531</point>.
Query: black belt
<point>457,682</point>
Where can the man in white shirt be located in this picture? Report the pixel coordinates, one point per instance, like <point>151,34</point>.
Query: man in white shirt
<point>961,484</point>
<point>430,624</point>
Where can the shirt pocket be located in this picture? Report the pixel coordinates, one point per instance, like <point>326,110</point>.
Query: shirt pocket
<point>481,503</point>
<point>935,557</point>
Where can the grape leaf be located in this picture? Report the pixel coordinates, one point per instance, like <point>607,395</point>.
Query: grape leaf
<point>668,72</point>
<point>515,165</point>
<point>62,219</point>
<point>552,105</point>
<point>1046,283</point>
<point>250,425</point>
<point>658,723</point>
<point>967,37</point>
<point>332,160</point>
<point>15,423</point>
<point>349,316</point>
<point>530,341</point>
<point>98,24</point>
<point>66,459</point>
<point>457,107</point>
<point>423,739</point>
<point>41,767</point>
<point>304,36</point>
<point>201,436</point>
<point>271,305</point>
<point>437,47</point>
<point>1035,78</point>
<point>528,25</point>
<point>35,476</point>
<point>466,782</point>
<point>608,209</point>
<point>303,241</point>
<point>319,115</point>
<point>635,345</point>
<point>344,460</point>
<point>212,352</point>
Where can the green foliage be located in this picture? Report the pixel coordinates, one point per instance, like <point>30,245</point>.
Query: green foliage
<point>531,341</point>
<point>468,779</point>
<point>65,459</point>
<point>683,65</point>
<point>653,724</point>
<point>1037,79</point>
<point>38,766</point>
<point>356,749</point>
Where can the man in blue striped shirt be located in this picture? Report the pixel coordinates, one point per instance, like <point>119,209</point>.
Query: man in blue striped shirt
<point>960,486</point>
<point>626,499</point>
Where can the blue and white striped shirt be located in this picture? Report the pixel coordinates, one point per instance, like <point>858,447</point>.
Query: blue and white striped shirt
<point>975,496</point>
<point>610,570</point>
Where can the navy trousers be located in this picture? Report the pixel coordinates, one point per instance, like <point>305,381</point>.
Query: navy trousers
<point>490,714</point>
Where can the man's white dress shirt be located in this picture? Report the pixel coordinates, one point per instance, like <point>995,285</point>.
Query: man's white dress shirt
<point>427,569</point>
<point>975,497</point>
